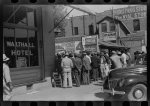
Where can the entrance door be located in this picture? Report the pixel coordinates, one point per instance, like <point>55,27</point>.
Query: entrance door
<point>21,41</point>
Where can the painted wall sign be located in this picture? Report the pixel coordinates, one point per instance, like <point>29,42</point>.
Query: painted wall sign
<point>109,36</point>
<point>132,12</point>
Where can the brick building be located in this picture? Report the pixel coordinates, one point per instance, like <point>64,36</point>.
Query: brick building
<point>134,17</point>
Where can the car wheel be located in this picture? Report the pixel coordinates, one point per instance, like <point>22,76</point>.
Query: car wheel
<point>138,93</point>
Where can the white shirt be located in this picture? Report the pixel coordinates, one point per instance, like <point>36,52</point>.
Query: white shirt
<point>88,58</point>
<point>124,58</point>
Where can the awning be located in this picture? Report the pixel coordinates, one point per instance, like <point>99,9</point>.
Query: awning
<point>110,44</point>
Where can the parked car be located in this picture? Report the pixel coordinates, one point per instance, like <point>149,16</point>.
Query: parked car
<point>130,83</point>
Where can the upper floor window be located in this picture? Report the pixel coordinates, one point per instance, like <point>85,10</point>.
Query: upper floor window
<point>104,27</point>
<point>91,30</point>
<point>136,24</point>
<point>76,30</point>
<point>112,26</point>
<point>19,14</point>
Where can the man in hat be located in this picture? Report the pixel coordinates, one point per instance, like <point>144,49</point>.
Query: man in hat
<point>7,83</point>
<point>95,65</point>
<point>77,70</point>
<point>67,65</point>
<point>116,60</point>
<point>86,69</point>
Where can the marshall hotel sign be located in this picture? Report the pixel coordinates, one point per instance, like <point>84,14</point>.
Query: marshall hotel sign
<point>133,12</point>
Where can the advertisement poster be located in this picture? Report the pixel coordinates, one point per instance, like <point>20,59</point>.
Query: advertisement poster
<point>90,43</point>
<point>109,36</point>
<point>21,62</point>
<point>65,46</point>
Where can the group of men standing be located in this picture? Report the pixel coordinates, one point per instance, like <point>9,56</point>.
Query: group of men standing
<point>82,67</point>
<point>85,67</point>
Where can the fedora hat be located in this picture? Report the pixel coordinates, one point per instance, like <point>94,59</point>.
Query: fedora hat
<point>5,58</point>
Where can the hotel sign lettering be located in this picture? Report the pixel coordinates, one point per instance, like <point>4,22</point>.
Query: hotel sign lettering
<point>133,12</point>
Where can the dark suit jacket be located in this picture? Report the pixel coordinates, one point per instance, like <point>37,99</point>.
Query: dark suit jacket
<point>95,61</point>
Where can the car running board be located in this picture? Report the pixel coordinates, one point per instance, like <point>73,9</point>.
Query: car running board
<point>113,92</point>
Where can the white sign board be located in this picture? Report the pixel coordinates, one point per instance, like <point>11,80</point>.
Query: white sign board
<point>109,36</point>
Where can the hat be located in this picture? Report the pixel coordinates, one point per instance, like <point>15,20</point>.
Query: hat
<point>113,52</point>
<point>84,53</point>
<point>5,58</point>
<point>119,52</point>
<point>67,54</point>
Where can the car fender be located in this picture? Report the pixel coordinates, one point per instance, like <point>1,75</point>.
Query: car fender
<point>136,80</point>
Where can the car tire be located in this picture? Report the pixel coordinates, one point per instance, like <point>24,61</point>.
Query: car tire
<point>143,90</point>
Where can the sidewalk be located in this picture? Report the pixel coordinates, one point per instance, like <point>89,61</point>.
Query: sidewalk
<point>45,92</point>
<point>37,86</point>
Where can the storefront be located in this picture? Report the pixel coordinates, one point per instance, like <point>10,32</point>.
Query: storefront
<point>109,46</point>
<point>24,43</point>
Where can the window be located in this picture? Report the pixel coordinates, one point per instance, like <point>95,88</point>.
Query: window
<point>19,14</point>
<point>104,27</point>
<point>136,24</point>
<point>76,30</point>
<point>112,26</point>
<point>21,46</point>
<point>91,30</point>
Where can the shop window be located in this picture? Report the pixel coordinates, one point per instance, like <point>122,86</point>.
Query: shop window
<point>19,14</point>
<point>104,27</point>
<point>136,24</point>
<point>21,46</point>
<point>91,30</point>
<point>112,26</point>
<point>76,31</point>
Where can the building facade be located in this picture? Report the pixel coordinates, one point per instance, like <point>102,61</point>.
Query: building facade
<point>127,27</point>
<point>134,17</point>
<point>28,42</point>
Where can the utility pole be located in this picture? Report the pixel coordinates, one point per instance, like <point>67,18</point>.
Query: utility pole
<point>117,32</point>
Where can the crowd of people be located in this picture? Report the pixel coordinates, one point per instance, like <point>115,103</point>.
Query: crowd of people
<point>82,68</point>
<point>85,67</point>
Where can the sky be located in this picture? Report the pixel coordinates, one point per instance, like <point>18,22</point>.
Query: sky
<point>95,8</point>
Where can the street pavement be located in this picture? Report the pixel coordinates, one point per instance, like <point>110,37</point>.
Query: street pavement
<point>90,92</point>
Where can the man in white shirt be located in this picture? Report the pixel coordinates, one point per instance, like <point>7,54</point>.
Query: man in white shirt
<point>124,58</point>
<point>88,56</point>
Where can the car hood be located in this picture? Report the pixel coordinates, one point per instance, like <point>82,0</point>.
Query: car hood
<point>137,70</point>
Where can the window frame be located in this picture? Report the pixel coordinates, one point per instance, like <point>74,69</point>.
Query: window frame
<point>103,26</point>
<point>76,31</point>
<point>136,27</point>
<point>28,28</point>
<point>91,29</point>
<point>112,25</point>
